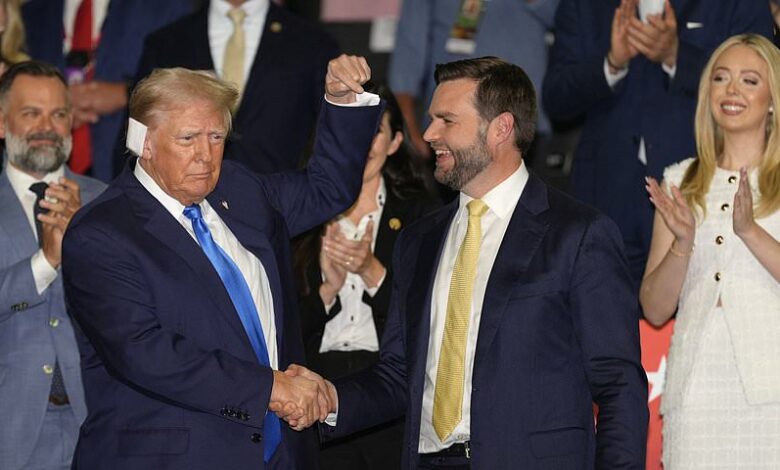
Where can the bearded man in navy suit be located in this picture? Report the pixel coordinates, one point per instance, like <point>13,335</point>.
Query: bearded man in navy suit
<point>180,280</point>
<point>512,309</point>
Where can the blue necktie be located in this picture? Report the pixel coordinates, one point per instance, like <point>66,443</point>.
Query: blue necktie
<point>239,293</point>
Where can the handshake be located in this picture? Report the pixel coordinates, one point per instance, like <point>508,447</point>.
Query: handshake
<point>301,397</point>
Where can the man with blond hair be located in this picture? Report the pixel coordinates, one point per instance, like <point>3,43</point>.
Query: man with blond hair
<point>181,281</point>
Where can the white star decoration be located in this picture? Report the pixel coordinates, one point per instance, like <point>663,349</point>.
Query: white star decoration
<point>656,380</point>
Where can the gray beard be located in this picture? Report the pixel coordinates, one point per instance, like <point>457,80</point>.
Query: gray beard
<point>39,159</point>
<point>468,163</point>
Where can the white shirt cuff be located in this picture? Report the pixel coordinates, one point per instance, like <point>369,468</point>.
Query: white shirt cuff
<point>371,291</point>
<point>362,99</point>
<point>331,419</point>
<point>43,273</point>
<point>613,78</point>
<point>330,305</point>
<point>670,70</point>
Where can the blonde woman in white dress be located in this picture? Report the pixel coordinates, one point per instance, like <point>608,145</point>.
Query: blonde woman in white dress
<point>715,261</point>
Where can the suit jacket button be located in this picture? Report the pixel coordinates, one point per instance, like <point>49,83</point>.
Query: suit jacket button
<point>256,437</point>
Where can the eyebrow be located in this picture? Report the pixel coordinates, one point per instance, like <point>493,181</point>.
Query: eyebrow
<point>741,71</point>
<point>443,114</point>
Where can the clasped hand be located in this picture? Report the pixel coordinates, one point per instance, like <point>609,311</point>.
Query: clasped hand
<point>302,397</point>
<point>657,39</point>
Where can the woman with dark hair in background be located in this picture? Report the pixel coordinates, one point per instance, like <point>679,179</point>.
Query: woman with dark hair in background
<point>344,276</point>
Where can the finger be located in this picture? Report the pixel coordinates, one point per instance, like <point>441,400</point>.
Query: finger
<point>677,200</point>
<point>366,69</point>
<point>69,184</point>
<point>640,47</point>
<point>60,193</point>
<point>351,76</point>
<point>55,220</point>
<point>369,235</point>
<point>58,206</point>
<point>658,22</point>
<point>670,17</point>
<point>644,33</point>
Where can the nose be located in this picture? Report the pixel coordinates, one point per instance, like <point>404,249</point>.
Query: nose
<point>431,133</point>
<point>731,87</point>
<point>203,149</point>
<point>45,123</point>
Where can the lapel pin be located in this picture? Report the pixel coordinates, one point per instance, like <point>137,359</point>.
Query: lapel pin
<point>394,223</point>
<point>276,27</point>
<point>224,204</point>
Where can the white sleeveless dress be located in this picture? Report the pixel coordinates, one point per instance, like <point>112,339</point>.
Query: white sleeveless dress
<point>721,405</point>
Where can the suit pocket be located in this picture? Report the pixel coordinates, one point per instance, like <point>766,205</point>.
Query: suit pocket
<point>153,441</point>
<point>536,286</point>
<point>557,442</point>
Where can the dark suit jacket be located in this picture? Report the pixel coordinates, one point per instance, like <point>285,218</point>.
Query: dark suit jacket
<point>171,379</point>
<point>313,314</point>
<point>559,331</point>
<point>282,93</point>
<point>126,25</point>
<point>646,103</point>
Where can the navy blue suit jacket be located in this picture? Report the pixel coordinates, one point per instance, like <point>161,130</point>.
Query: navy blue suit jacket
<point>559,332</point>
<point>646,103</point>
<point>126,25</point>
<point>170,377</point>
<point>282,93</point>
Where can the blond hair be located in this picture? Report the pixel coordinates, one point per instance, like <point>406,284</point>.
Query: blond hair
<point>709,136</point>
<point>167,89</point>
<point>12,45</point>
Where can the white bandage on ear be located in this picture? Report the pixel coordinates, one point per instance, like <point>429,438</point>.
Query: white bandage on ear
<point>136,135</point>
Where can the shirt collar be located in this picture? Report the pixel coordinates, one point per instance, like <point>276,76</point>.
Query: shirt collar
<point>169,202</point>
<point>252,8</point>
<point>502,199</point>
<point>21,181</point>
<point>381,193</point>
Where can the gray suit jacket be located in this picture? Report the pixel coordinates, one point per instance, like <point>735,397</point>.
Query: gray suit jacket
<point>34,330</point>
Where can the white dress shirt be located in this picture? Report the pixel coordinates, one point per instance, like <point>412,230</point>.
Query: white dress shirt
<point>251,267</point>
<point>353,329</point>
<point>43,273</point>
<point>99,10</point>
<point>221,28</point>
<point>501,202</point>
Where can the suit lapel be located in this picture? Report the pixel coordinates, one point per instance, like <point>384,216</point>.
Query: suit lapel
<point>272,51</point>
<point>386,235</point>
<point>198,40</point>
<point>160,225</point>
<point>14,220</point>
<point>419,300</point>
<point>522,239</point>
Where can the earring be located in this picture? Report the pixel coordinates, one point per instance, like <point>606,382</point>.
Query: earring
<point>771,109</point>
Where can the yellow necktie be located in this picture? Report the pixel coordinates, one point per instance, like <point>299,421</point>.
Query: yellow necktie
<point>448,394</point>
<point>233,64</point>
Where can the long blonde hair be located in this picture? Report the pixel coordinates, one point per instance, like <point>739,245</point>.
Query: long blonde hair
<point>12,45</point>
<point>709,136</point>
